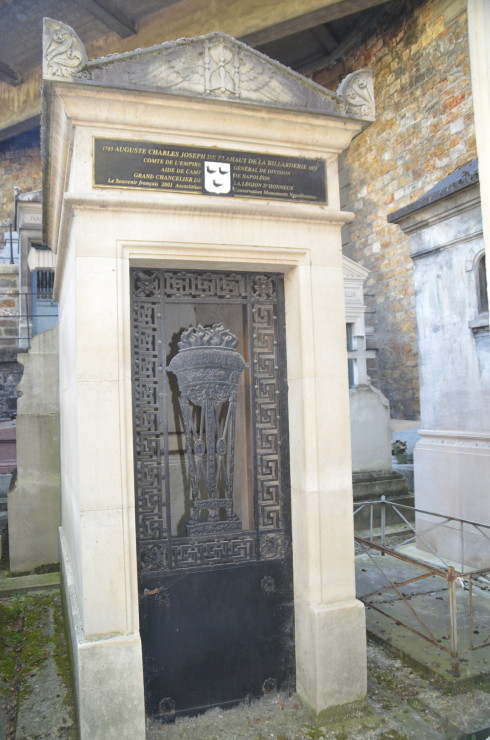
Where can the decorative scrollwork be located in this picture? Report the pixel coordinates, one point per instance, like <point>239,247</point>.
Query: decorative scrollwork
<point>146,284</point>
<point>221,66</point>
<point>207,336</point>
<point>357,91</point>
<point>150,476</point>
<point>208,369</point>
<point>166,706</point>
<point>272,546</point>
<point>266,397</point>
<point>191,285</point>
<point>63,52</point>
<point>268,585</point>
<point>263,287</point>
<point>162,597</point>
<point>160,593</point>
<point>153,557</point>
<point>214,532</point>
<point>218,550</point>
<point>269,686</point>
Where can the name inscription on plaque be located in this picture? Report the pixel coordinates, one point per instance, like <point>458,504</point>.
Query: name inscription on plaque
<point>184,169</point>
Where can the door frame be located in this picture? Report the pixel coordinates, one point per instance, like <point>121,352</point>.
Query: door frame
<point>321,617</point>
<point>262,612</point>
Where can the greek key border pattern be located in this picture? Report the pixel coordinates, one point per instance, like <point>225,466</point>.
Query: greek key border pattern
<point>265,358</point>
<point>195,285</point>
<point>147,390</point>
<point>217,550</point>
<point>158,551</point>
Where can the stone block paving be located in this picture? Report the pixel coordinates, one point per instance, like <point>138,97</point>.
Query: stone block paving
<point>402,703</point>
<point>36,697</point>
<point>422,604</point>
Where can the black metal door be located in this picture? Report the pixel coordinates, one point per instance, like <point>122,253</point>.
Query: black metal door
<point>212,487</point>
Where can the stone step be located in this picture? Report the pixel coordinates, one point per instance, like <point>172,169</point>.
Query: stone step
<point>377,483</point>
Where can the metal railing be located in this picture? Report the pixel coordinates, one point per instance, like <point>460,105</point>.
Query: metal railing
<point>9,246</point>
<point>22,312</point>
<point>470,581</point>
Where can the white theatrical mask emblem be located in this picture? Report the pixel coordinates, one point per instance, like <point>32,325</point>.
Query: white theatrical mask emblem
<point>217,177</point>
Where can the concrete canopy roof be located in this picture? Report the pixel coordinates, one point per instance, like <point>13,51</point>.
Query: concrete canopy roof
<point>212,66</point>
<point>304,34</point>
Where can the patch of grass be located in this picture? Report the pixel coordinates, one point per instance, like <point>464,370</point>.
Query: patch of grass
<point>39,571</point>
<point>388,680</point>
<point>315,733</point>
<point>20,635</point>
<point>476,683</point>
<point>27,644</point>
<point>18,574</point>
<point>62,658</point>
<point>48,568</point>
<point>24,649</point>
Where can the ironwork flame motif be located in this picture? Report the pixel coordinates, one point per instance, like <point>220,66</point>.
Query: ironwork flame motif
<point>208,370</point>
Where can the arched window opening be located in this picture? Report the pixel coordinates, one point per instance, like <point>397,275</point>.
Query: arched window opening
<point>482,286</point>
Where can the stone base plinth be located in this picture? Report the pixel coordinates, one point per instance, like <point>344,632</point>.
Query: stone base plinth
<point>34,514</point>
<point>377,483</point>
<point>336,631</point>
<point>108,674</point>
<point>452,478</point>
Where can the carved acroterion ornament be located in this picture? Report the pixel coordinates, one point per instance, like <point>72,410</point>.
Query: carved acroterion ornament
<point>64,54</point>
<point>357,92</point>
<point>211,66</point>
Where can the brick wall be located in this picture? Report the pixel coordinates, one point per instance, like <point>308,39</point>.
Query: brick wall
<point>9,308</point>
<point>20,165</point>
<point>418,52</point>
<point>10,370</point>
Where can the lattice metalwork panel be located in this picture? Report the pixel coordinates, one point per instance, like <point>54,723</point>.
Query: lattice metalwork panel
<point>266,392</point>
<point>148,394</point>
<point>262,299</point>
<point>195,285</point>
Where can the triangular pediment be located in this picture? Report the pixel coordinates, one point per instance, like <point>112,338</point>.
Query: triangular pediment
<point>353,269</point>
<point>212,66</point>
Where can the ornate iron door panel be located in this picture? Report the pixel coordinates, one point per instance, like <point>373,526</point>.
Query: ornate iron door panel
<point>212,487</point>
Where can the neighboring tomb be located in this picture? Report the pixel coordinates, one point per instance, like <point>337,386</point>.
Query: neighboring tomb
<point>452,458</point>
<point>372,473</point>
<point>34,501</point>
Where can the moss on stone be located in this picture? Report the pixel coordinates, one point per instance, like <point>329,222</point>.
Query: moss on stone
<point>31,633</point>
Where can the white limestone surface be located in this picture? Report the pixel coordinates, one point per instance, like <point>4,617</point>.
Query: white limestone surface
<point>98,234</point>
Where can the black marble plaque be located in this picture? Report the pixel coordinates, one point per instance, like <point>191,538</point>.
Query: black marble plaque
<point>219,172</point>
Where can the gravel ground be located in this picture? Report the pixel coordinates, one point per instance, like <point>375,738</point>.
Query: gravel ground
<point>401,704</point>
<point>36,700</point>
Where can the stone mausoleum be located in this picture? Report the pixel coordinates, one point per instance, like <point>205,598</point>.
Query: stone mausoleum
<point>191,198</point>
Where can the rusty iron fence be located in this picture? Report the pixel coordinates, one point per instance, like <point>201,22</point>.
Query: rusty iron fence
<point>462,581</point>
<point>23,314</point>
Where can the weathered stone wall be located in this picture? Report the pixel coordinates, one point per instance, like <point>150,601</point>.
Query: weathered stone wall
<point>9,308</point>
<point>34,501</point>
<point>418,52</point>
<point>20,165</point>
<point>10,375</point>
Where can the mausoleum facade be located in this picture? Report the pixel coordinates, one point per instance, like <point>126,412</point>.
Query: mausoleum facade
<point>122,246</point>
